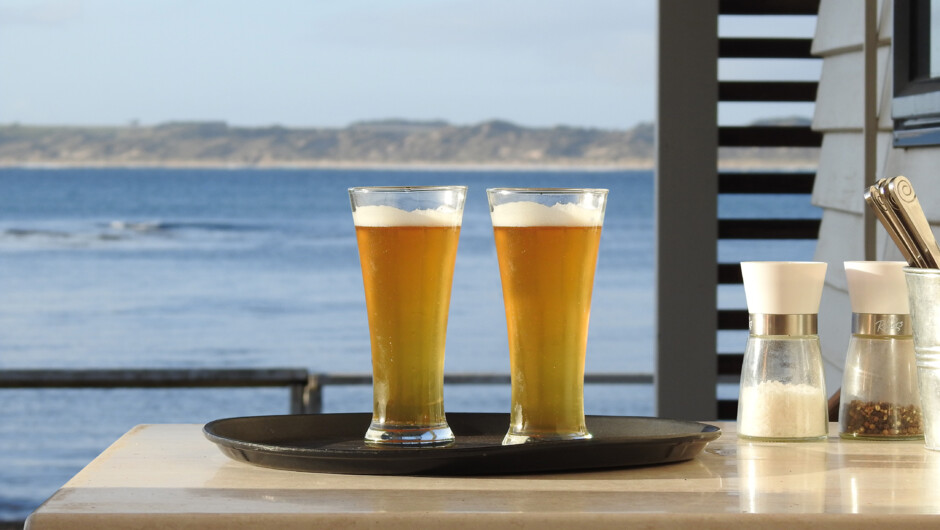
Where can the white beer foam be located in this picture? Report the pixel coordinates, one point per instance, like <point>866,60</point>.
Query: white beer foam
<point>390,216</point>
<point>529,213</point>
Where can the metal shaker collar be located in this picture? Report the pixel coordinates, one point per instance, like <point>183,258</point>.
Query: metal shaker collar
<point>782,325</point>
<point>881,325</point>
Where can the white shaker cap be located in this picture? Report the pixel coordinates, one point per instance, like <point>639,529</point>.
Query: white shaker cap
<point>877,287</point>
<point>783,287</point>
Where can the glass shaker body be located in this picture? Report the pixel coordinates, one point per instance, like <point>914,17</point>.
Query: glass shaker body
<point>880,398</point>
<point>783,390</point>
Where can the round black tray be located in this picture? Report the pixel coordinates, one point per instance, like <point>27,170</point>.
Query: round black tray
<point>333,443</point>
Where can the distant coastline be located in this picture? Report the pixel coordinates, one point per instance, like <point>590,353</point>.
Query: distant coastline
<point>385,145</point>
<point>644,165</point>
<point>639,165</point>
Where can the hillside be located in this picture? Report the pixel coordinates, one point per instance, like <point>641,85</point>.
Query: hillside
<point>375,143</point>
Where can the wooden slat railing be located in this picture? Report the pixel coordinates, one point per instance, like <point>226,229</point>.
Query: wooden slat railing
<point>768,228</point>
<point>764,48</point>
<point>306,389</point>
<point>765,183</point>
<point>738,91</point>
<point>769,183</point>
<point>768,136</point>
<point>295,379</point>
<point>768,7</point>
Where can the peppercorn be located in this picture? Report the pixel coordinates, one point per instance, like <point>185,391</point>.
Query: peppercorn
<point>881,419</point>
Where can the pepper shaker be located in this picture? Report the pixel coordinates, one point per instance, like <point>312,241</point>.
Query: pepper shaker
<point>783,391</point>
<point>880,398</point>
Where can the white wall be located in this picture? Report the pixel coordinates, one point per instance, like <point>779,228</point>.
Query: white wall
<point>840,180</point>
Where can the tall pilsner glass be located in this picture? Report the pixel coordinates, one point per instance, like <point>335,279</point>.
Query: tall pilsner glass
<point>546,242</point>
<point>407,240</point>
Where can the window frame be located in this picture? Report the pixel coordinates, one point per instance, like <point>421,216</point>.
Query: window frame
<point>915,106</point>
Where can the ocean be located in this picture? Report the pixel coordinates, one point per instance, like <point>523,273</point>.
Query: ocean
<point>244,268</point>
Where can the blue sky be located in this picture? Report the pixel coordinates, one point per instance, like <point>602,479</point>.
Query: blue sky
<point>333,62</point>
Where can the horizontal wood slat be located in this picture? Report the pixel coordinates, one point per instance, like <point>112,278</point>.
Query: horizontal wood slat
<point>768,7</point>
<point>759,48</point>
<point>765,182</point>
<point>729,274</point>
<point>152,378</point>
<point>730,363</point>
<point>768,228</point>
<point>732,319</point>
<point>761,136</point>
<point>768,136</point>
<point>767,91</point>
<point>727,409</point>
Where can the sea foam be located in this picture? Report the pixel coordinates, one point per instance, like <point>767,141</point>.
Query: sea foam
<point>390,216</point>
<point>528,213</point>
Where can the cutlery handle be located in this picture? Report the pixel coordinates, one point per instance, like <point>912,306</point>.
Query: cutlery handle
<point>875,198</point>
<point>901,196</point>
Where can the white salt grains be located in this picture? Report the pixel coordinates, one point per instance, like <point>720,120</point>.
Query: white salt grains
<point>773,409</point>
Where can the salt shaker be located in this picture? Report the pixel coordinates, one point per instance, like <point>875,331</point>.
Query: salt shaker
<point>783,391</point>
<point>880,398</point>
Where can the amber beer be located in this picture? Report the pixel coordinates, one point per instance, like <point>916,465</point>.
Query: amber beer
<point>407,260</point>
<point>547,257</point>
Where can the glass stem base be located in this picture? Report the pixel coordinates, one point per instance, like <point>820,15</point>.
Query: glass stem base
<point>408,435</point>
<point>513,438</point>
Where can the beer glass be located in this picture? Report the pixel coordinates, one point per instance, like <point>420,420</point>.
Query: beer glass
<point>407,239</point>
<point>546,243</point>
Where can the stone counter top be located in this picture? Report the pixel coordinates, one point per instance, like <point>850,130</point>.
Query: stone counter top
<point>170,476</point>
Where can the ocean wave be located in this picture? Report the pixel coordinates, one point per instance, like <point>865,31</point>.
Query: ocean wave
<point>147,233</point>
<point>29,232</point>
<point>56,238</point>
<point>135,226</point>
<point>172,226</point>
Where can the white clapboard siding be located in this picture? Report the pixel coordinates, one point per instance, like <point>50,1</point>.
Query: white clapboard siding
<point>839,184</point>
<point>885,123</point>
<point>835,329</point>
<point>840,26</point>
<point>885,22</point>
<point>840,240</point>
<point>839,116</point>
<point>922,166</point>
<point>839,97</point>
